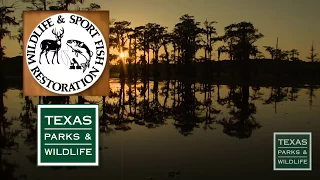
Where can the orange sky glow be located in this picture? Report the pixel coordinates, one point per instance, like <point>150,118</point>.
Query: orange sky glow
<point>295,22</point>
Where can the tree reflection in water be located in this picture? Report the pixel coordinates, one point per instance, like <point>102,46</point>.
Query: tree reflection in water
<point>152,103</point>
<point>138,102</point>
<point>242,122</point>
<point>187,105</point>
<point>7,138</point>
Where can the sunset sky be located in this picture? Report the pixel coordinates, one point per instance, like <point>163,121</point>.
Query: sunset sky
<point>295,22</point>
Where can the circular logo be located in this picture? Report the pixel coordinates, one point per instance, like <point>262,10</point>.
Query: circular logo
<point>66,53</point>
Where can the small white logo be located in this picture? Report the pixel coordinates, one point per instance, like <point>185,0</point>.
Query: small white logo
<point>66,53</point>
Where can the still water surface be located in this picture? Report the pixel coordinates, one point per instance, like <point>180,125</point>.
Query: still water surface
<point>177,131</point>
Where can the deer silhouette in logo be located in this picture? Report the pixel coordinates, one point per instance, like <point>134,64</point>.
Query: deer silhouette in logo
<point>54,46</point>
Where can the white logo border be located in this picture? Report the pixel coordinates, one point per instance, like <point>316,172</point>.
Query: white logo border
<point>43,106</point>
<point>274,151</point>
<point>37,60</point>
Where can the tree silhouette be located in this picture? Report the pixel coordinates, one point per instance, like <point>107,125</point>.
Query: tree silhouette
<point>313,56</point>
<point>271,51</point>
<point>188,31</point>
<point>134,36</point>
<point>255,52</point>
<point>65,4</point>
<point>92,7</point>
<point>284,54</point>
<point>5,21</point>
<point>28,119</point>
<point>221,49</point>
<point>119,36</point>
<point>311,94</point>
<point>208,110</point>
<point>37,4</point>
<point>243,35</point>
<point>185,110</point>
<point>294,53</point>
<point>168,38</point>
<point>7,137</point>
<point>141,44</point>
<point>277,94</point>
<point>104,123</point>
<point>242,122</point>
<point>156,39</point>
<point>293,93</point>
<point>154,115</point>
<point>209,31</point>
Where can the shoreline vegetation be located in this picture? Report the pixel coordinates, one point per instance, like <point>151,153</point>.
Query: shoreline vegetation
<point>185,53</point>
<point>136,54</point>
<point>264,72</point>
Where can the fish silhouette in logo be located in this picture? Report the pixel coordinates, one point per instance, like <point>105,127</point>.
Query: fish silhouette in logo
<point>78,47</point>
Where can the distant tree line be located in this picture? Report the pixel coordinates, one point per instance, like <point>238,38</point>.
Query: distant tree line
<point>153,43</point>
